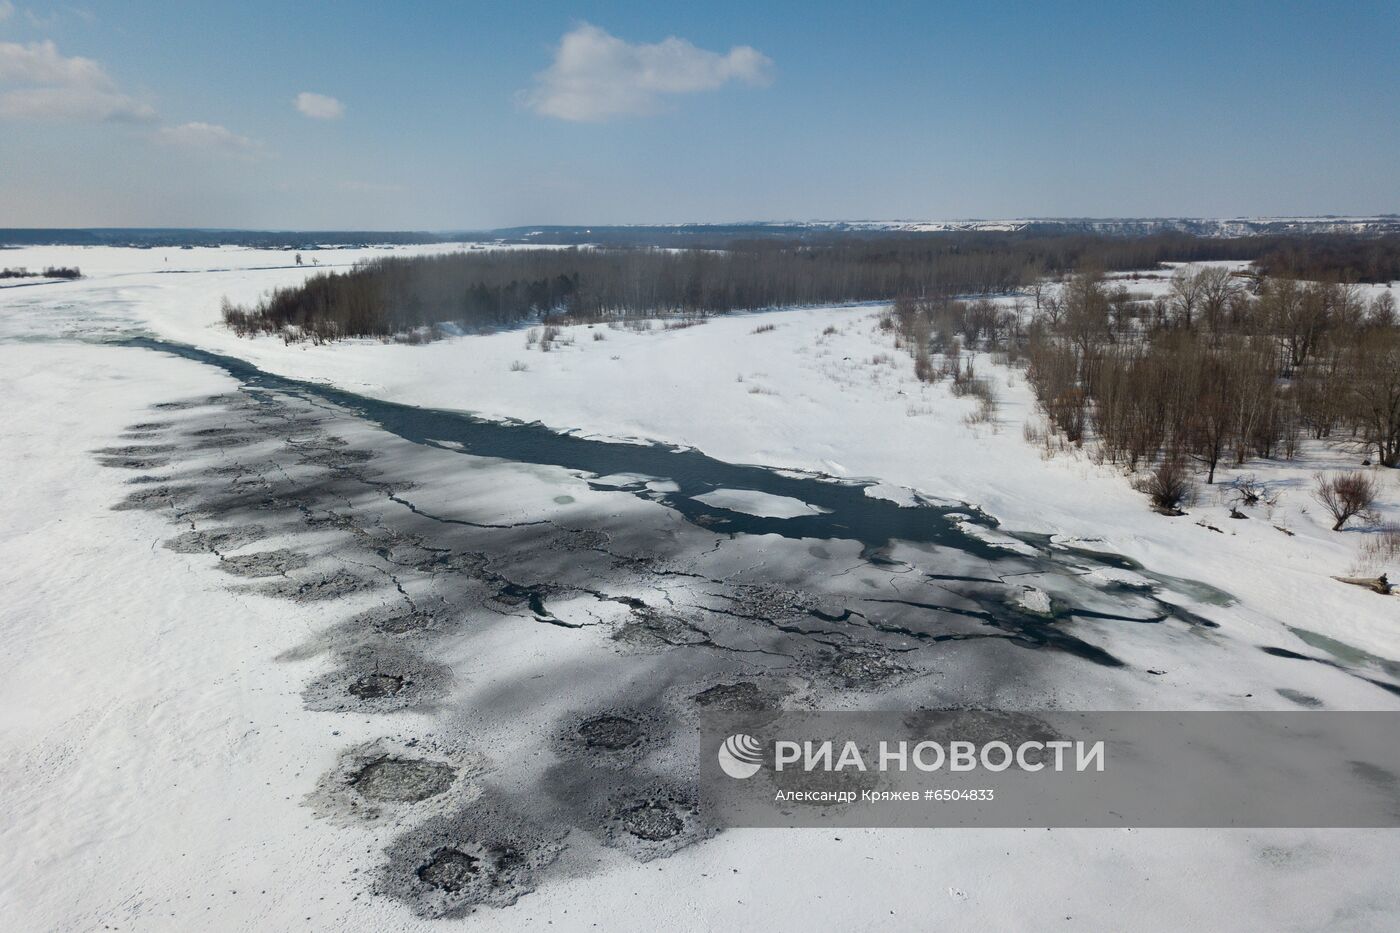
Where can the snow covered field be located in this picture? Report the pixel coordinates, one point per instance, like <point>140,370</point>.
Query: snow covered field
<point>165,752</point>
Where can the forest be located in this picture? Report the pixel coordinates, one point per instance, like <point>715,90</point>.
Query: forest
<point>492,288</point>
<point>1222,369</point>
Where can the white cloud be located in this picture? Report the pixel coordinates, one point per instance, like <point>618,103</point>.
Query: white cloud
<point>597,76</point>
<point>210,137</point>
<point>52,86</point>
<point>39,83</point>
<point>318,106</point>
<point>73,104</point>
<point>41,63</point>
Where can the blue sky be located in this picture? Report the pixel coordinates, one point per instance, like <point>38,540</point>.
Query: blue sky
<point>462,115</point>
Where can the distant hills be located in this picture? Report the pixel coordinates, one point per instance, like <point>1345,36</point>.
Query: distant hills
<point>698,234</point>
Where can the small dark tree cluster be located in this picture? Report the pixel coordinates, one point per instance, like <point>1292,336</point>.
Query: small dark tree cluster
<point>50,272</point>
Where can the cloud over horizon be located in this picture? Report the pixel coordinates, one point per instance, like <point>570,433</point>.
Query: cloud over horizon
<point>38,83</point>
<point>597,77</point>
<point>210,137</point>
<point>318,106</point>
<point>43,84</point>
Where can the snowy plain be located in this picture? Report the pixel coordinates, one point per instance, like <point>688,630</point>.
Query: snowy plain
<point>158,757</point>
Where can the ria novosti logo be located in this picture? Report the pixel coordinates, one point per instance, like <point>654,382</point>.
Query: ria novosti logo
<point>741,756</point>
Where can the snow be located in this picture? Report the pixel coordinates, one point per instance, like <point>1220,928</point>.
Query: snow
<point>799,398</point>
<point>143,722</point>
<point>1036,600</point>
<point>762,504</point>
<point>843,403</point>
<point>158,752</point>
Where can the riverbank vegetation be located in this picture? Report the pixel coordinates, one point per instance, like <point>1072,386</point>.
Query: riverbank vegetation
<point>492,288</point>
<point>1220,368</point>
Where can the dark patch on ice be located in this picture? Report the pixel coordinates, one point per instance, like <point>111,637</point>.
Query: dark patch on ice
<point>324,586</point>
<point>610,733</point>
<point>225,440</point>
<point>654,819</point>
<point>336,458</point>
<point>263,563</point>
<point>134,463</point>
<point>135,450</point>
<point>391,778</point>
<point>483,855</point>
<point>214,540</point>
<point>396,620</point>
<point>744,696</point>
<point>864,669</point>
<point>405,780</point>
<point>153,497</point>
<point>654,629</point>
<point>377,679</point>
<point>651,820</point>
<point>1302,699</point>
<point>450,869</point>
<point>374,686</point>
<point>579,539</point>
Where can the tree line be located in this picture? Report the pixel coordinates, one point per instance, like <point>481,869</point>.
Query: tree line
<point>488,288</point>
<point>1219,371</point>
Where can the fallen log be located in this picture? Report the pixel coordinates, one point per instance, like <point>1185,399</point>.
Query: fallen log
<point>1375,584</point>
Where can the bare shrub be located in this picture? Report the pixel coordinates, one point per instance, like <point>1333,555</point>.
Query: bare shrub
<point>547,338</point>
<point>1168,485</point>
<point>830,329</point>
<point>987,403</point>
<point>1380,548</point>
<point>1345,495</point>
<point>764,328</point>
<point>923,367</point>
<point>518,367</point>
<point>1248,490</point>
<point>598,335</point>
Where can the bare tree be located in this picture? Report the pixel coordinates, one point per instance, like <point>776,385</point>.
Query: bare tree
<point>1373,372</point>
<point>1186,295</point>
<point>1382,313</point>
<point>1345,495</point>
<point>1217,289</point>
